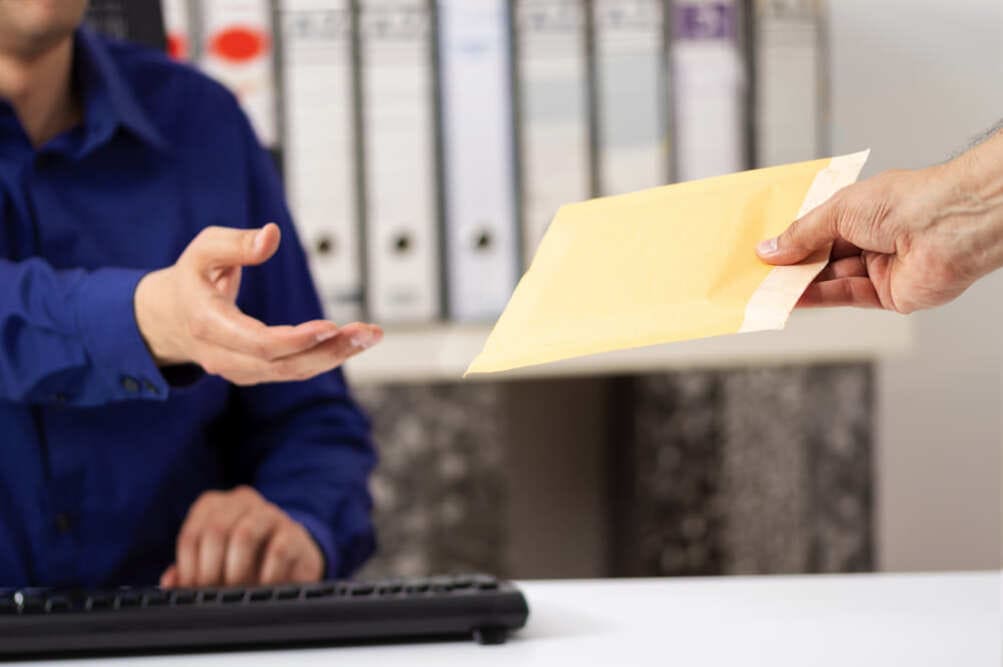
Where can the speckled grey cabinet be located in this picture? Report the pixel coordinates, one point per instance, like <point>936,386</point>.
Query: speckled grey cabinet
<point>439,489</point>
<point>744,471</point>
<point>747,471</point>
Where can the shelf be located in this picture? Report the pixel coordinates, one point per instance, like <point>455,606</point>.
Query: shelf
<point>441,352</point>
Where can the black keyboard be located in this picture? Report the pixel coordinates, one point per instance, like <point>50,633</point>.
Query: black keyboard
<point>54,622</point>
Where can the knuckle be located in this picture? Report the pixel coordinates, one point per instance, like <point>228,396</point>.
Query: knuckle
<point>867,224</point>
<point>279,552</point>
<point>794,233</point>
<point>212,497</point>
<point>215,530</point>
<point>282,369</point>
<point>282,546</point>
<point>186,539</point>
<point>846,292</point>
<point>203,502</point>
<point>247,493</point>
<point>263,350</point>
<point>244,534</point>
<point>206,234</point>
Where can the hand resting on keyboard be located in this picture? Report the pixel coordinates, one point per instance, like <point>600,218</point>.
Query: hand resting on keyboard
<point>237,538</point>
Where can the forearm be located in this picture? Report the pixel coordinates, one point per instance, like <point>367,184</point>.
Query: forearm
<point>70,336</point>
<point>977,175</point>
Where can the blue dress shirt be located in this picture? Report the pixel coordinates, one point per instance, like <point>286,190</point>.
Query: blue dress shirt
<point>101,452</point>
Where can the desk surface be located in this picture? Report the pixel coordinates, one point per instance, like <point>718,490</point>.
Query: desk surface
<point>885,620</point>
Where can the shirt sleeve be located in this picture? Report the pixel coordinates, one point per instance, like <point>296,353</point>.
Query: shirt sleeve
<point>304,445</point>
<point>70,337</point>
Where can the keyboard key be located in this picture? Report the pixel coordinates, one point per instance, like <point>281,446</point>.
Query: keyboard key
<point>208,595</point>
<point>99,602</point>
<point>320,591</point>
<point>184,597</point>
<point>155,598</point>
<point>57,604</point>
<point>360,590</point>
<point>127,599</point>
<point>260,595</point>
<point>31,600</point>
<point>33,605</point>
<point>231,596</point>
<point>287,593</point>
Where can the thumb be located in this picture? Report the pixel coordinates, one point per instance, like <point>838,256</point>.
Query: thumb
<point>814,231</point>
<point>223,247</point>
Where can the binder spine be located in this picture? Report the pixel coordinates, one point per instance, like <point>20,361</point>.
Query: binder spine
<point>553,112</point>
<point>482,258</point>
<point>790,65</point>
<point>237,49</point>
<point>178,28</point>
<point>709,80</point>
<point>519,180</point>
<point>399,160</point>
<point>278,86</point>
<point>439,147</point>
<point>630,75</point>
<point>358,152</point>
<point>320,150</point>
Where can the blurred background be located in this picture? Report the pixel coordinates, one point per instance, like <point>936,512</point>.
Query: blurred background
<point>425,147</point>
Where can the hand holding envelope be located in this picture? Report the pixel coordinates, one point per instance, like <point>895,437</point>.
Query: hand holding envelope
<point>662,265</point>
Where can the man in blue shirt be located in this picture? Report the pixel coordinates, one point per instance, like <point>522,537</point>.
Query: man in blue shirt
<point>185,424</point>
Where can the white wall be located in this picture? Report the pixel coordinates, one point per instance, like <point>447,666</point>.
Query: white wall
<point>915,80</point>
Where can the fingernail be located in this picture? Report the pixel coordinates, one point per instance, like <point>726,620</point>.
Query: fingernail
<point>364,340</point>
<point>326,335</point>
<point>767,247</point>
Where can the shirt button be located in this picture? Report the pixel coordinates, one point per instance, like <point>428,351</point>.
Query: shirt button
<point>63,523</point>
<point>130,384</point>
<point>150,387</point>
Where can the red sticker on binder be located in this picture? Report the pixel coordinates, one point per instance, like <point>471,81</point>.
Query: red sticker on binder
<point>177,46</point>
<point>239,44</point>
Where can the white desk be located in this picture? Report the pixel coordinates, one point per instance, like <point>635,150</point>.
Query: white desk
<point>849,621</point>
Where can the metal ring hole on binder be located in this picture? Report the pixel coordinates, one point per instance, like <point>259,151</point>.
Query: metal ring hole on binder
<point>403,243</point>
<point>483,240</point>
<point>325,245</point>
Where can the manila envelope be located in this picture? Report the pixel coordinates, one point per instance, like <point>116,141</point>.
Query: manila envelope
<point>661,265</point>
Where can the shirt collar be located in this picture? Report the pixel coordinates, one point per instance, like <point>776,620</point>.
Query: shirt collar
<point>109,103</point>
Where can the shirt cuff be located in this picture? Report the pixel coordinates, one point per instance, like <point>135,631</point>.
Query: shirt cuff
<point>106,315</point>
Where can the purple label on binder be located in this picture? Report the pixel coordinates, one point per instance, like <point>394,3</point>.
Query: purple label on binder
<point>704,20</point>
